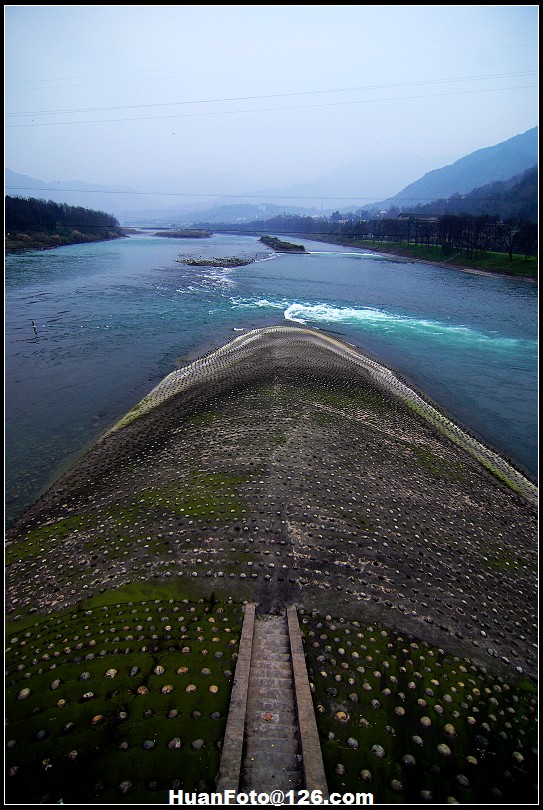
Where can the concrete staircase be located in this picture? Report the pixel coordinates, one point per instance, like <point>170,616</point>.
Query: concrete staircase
<point>271,740</point>
<point>272,755</point>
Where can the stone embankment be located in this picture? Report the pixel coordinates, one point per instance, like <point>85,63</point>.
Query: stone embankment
<point>226,358</point>
<point>285,468</point>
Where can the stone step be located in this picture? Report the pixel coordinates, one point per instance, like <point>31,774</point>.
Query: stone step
<point>271,629</point>
<point>258,706</point>
<point>277,730</point>
<point>268,630</point>
<point>271,643</point>
<point>263,681</point>
<point>267,746</point>
<point>269,701</point>
<point>272,667</point>
<point>285,719</point>
<point>267,673</point>
<point>286,716</point>
<point>261,656</point>
<point>266,754</point>
<point>270,688</point>
<point>279,692</point>
<point>261,780</point>
<point>271,759</point>
<point>275,761</point>
<point>263,699</point>
<point>277,659</point>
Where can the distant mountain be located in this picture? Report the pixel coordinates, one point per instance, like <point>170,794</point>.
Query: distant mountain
<point>348,187</point>
<point>243,212</point>
<point>500,162</point>
<point>15,181</point>
<point>354,183</point>
<point>158,206</point>
<point>110,199</point>
<point>198,182</point>
<point>516,198</point>
<point>218,211</point>
<point>217,214</point>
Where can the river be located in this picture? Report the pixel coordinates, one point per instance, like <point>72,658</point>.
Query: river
<point>90,329</point>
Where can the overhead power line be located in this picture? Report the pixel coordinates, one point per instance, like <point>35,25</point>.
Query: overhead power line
<point>264,197</point>
<point>188,194</point>
<point>244,71</point>
<point>78,110</point>
<point>266,109</point>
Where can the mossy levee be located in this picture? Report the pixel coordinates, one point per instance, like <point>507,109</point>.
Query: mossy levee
<point>412,724</point>
<point>119,702</point>
<point>284,468</point>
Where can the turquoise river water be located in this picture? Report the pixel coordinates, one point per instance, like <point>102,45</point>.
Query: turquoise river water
<point>91,328</point>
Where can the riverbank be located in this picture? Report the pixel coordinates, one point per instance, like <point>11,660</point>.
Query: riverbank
<point>61,237</point>
<point>492,264</point>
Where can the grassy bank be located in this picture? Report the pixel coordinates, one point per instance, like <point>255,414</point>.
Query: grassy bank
<point>490,262</point>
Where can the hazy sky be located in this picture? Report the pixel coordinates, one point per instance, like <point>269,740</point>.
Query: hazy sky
<point>275,94</point>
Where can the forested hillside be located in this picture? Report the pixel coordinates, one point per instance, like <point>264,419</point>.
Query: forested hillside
<point>494,163</point>
<point>32,223</point>
<point>516,198</point>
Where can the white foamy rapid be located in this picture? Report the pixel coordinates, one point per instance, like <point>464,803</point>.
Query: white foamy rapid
<point>379,320</point>
<point>343,253</point>
<point>210,279</point>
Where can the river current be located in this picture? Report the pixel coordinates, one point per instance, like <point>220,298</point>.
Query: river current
<point>90,329</point>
